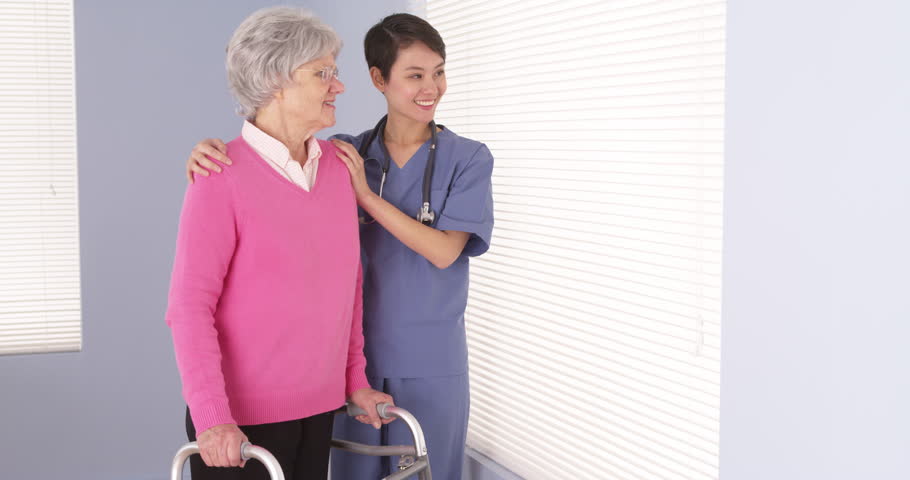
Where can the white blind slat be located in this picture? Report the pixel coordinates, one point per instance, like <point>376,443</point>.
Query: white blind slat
<point>39,235</point>
<point>600,295</point>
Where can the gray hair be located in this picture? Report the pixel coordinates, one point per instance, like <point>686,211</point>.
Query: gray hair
<point>266,49</point>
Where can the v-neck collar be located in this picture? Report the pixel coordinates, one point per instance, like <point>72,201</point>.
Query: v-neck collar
<point>385,150</point>
<point>412,159</point>
<point>263,163</point>
<point>401,179</point>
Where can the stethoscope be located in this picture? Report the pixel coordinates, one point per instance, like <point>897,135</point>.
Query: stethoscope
<point>426,215</point>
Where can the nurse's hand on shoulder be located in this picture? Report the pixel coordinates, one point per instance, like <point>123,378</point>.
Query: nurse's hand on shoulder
<point>367,399</point>
<point>348,154</point>
<point>199,161</point>
<point>219,446</point>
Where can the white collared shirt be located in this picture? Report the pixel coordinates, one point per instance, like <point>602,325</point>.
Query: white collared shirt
<point>278,156</point>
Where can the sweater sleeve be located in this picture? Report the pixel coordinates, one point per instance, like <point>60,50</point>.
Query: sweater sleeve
<point>355,374</point>
<point>206,240</point>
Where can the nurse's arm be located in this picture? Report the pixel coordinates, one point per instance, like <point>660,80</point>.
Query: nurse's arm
<point>440,247</point>
<point>200,160</point>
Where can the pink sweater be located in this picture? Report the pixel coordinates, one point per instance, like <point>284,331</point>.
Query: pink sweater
<point>265,301</point>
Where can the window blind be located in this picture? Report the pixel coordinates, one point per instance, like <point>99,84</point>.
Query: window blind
<point>39,233</point>
<point>594,320</point>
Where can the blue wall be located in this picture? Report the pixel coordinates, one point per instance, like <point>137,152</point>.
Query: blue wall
<point>150,83</point>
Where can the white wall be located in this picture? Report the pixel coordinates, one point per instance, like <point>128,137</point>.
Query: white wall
<point>816,339</point>
<point>150,83</point>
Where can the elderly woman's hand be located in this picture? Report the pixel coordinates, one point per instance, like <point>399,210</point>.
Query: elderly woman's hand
<point>219,446</point>
<point>367,399</point>
<point>199,161</point>
<point>348,154</point>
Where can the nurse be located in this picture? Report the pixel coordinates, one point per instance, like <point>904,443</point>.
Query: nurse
<point>415,274</point>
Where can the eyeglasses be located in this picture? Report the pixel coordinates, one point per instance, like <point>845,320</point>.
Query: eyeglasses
<point>327,74</point>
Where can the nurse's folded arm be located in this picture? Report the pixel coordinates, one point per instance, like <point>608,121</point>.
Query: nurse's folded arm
<point>440,247</point>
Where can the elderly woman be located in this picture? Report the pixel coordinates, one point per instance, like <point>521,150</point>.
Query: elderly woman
<point>264,304</point>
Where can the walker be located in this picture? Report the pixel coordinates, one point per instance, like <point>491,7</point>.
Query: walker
<point>413,460</point>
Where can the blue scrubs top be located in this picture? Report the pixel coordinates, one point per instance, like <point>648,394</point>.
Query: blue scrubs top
<point>413,312</point>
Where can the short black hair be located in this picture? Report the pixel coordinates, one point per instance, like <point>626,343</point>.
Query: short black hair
<point>400,30</point>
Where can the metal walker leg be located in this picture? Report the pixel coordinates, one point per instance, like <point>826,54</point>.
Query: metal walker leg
<point>418,452</point>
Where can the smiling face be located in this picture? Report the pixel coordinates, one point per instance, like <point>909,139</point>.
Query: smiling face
<point>309,101</point>
<point>415,84</point>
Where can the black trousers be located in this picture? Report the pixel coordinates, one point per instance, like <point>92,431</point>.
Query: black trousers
<point>300,446</point>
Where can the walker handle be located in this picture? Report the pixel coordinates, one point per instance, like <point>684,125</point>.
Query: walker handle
<point>247,451</point>
<point>387,410</point>
<point>381,409</point>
